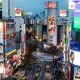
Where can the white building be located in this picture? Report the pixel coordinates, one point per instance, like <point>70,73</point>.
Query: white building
<point>8,7</point>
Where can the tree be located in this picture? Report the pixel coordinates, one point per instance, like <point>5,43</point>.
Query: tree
<point>53,50</point>
<point>31,44</point>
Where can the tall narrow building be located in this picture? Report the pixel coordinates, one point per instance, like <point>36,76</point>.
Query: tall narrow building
<point>8,8</point>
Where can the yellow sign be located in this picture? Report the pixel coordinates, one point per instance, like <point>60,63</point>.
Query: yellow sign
<point>10,52</point>
<point>67,29</point>
<point>24,13</point>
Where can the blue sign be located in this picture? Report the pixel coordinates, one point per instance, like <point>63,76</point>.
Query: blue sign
<point>77,10</point>
<point>76,1</point>
<point>10,49</point>
<point>75,46</point>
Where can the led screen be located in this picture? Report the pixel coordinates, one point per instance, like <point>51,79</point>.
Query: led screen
<point>76,73</point>
<point>76,22</point>
<point>74,57</point>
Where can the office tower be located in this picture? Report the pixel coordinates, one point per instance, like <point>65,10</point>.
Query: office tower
<point>8,7</point>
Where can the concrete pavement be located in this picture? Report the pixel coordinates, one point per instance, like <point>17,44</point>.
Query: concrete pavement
<point>19,74</point>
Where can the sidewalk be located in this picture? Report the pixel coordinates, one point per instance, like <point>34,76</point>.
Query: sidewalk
<point>19,74</point>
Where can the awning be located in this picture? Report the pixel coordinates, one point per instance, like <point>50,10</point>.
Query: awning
<point>12,52</point>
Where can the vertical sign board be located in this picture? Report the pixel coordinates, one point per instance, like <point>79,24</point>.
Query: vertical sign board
<point>51,26</point>
<point>51,7</point>
<point>77,14</point>
<point>51,29</point>
<point>0,10</point>
<point>23,39</point>
<point>1,41</point>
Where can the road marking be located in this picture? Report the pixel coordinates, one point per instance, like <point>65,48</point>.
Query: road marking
<point>34,73</point>
<point>40,75</point>
<point>29,74</point>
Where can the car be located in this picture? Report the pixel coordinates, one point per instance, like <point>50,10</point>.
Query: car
<point>30,68</point>
<point>37,76</point>
<point>38,62</point>
<point>38,65</point>
<point>39,69</point>
<point>45,59</point>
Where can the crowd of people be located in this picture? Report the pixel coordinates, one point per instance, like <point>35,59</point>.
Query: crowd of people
<point>58,73</point>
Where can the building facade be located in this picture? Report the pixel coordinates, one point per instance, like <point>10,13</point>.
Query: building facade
<point>9,48</point>
<point>8,7</point>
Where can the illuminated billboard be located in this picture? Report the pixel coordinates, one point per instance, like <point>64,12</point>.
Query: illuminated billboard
<point>76,73</point>
<point>50,4</point>
<point>76,23</point>
<point>74,57</point>
<point>51,27</point>
<point>72,3</point>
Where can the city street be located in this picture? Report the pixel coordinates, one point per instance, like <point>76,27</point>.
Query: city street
<point>43,74</point>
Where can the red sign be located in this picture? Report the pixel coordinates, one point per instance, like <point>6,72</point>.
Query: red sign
<point>63,13</point>
<point>51,5</point>
<point>15,57</point>
<point>17,11</point>
<point>51,25</point>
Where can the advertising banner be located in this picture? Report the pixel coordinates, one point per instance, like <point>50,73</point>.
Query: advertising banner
<point>1,41</point>
<point>63,13</point>
<point>77,10</point>
<point>76,23</point>
<point>72,3</point>
<point>74,57</point>
<point>51,26</point>
<point>10,48</point>
<point>50,4</point>
<point>18,12</point>
<point>76,73</point>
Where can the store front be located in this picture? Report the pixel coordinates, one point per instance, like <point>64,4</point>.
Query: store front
<point>11,61</point>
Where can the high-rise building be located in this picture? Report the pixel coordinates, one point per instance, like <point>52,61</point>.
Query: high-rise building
<point>8,7</point>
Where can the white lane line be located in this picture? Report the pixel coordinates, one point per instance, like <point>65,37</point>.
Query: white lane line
<point>40,75</point>
<point>29,74</point>
<point>34,73</point>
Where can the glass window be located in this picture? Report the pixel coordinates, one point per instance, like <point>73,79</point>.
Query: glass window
<point>10,25</point>
<point>10,32</point>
